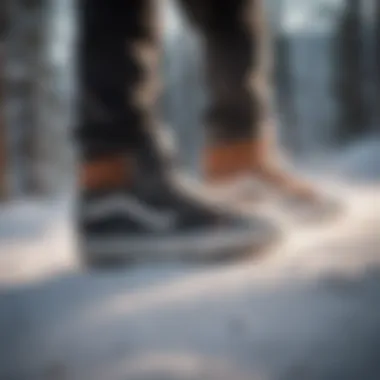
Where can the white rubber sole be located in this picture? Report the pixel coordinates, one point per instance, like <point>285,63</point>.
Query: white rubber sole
<point>204,246</point>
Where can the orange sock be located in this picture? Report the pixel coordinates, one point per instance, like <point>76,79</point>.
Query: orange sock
<point>226,160</point>
<point>108,172</point>
<point>232,159</point>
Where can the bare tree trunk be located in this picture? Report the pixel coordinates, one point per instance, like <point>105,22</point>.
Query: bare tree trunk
<point>352,106</point>
<point>285,94</point>
<point>3,134</point>
<point>24,50</point>
<point>377,63</point>
<point>284,83</point>
<point>39,91</point>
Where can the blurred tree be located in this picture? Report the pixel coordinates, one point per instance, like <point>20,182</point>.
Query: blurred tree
<point>353,110</point>
<point>3,145</point>
<point>284,82</point>
<point>24,50</point>
<point>377,60</point>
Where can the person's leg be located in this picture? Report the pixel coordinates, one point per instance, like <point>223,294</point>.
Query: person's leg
<point>130,205</point>
<point>232,41</point>
<point>240,135</point>
<point>117,58</point>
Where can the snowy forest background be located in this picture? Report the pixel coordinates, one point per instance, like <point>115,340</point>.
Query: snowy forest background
<point>326,76</point>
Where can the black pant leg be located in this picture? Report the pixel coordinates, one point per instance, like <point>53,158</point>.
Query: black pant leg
<point>117,59</point>
<point>233,33</point>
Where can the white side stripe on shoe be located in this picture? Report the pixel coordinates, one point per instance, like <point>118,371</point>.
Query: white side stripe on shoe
<point>132,208</point>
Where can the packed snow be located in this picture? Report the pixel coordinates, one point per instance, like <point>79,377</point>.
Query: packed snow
<point>306,309</point>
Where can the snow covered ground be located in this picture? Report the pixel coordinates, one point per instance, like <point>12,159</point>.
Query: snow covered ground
<point>308,309</point>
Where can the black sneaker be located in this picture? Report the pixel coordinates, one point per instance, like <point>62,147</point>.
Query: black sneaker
<point>164,223</point>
